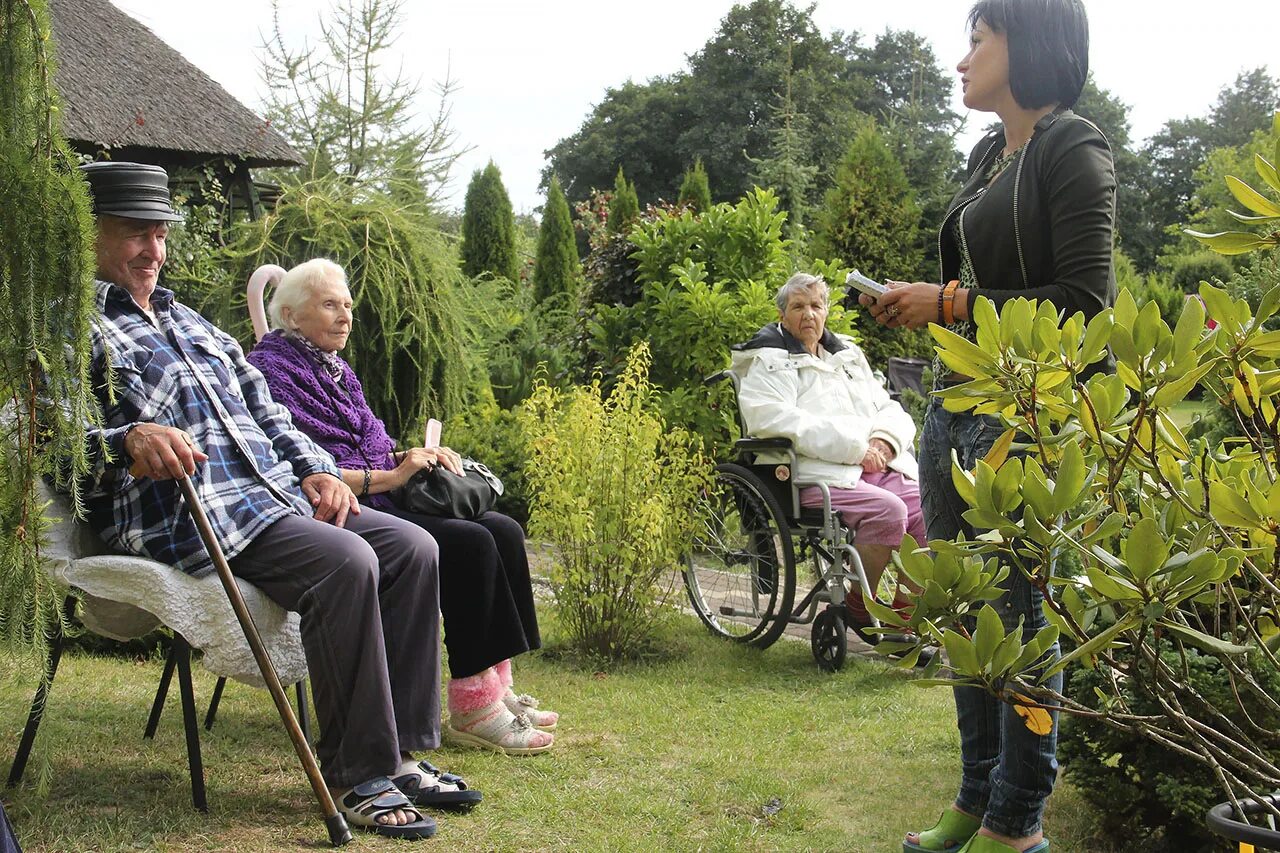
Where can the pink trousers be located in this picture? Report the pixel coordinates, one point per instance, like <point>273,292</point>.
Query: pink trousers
<point>881,508</point>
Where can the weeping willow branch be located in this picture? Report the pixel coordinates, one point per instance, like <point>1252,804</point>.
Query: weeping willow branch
<point>46,307</point>
<point>413,348</point>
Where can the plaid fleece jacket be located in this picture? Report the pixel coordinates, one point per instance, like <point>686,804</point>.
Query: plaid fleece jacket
<point>189,375</point>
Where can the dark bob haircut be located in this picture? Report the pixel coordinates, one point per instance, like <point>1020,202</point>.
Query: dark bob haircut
<point>1048,47</point>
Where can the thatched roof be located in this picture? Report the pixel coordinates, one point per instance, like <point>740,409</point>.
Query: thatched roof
<point>125,90</point>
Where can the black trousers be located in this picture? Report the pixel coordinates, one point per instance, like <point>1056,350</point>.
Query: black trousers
<point>368,595</point>
<point>485,592</point>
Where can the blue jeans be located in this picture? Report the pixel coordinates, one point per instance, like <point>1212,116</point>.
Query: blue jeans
<point>1008,771</point>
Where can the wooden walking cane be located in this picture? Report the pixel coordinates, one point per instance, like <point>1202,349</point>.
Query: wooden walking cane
<point>339,834</point>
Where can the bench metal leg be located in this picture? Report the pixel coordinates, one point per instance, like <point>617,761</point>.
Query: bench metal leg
<point>213,703</point>
<point>189,723</point>
<point>37,704</point>
<point>162,691</point>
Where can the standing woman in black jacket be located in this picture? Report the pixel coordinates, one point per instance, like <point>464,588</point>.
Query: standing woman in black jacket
<point>1034,219</point>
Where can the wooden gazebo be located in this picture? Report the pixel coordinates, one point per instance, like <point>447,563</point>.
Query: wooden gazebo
<point>126,95</point>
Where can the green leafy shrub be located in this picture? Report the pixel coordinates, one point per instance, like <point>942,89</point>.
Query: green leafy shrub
<point>1141,787</point>
<point>706,281</point>
<point>1177,542</point>
<point>1153,287</point>
<point>615,490</point>
<point>1187,271</point>
<point>523,336</point>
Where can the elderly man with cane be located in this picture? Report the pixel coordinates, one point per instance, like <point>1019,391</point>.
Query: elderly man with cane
<point>186,404</point>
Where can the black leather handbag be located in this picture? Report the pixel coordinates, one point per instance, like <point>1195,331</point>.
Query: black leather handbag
<point>439,491</point>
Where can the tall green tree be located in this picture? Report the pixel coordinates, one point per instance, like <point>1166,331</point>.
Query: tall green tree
<point>870,220</point>
<point>787,170</point>
<point>1173,155</point>
<point>870,217</point>
<point>338,104</point>
<point>46,305</point>
<point>723,106</point>
<point>624,207</point>
<point>488,227</point>
<point>556,269</point>
<point>695,189</point>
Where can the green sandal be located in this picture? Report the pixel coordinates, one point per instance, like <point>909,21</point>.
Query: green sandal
<point>983,844</point>
<point>951,832</point>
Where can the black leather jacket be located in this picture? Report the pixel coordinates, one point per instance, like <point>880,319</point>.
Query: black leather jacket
<point>1044,228</point>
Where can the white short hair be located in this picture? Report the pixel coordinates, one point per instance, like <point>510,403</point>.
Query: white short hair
<point>799,281</point>
<point>296,286</point>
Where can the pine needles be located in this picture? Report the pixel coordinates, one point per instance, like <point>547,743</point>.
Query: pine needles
<point>46,307</point>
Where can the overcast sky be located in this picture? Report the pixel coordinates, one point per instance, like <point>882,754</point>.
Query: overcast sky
<point>530,72</point>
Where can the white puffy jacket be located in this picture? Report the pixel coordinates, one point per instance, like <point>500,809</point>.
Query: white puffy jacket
<point>829,406</point>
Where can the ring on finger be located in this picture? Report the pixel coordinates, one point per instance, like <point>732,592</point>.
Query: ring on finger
<point>892,311</point>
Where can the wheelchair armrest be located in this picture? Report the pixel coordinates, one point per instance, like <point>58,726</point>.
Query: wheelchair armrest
<point>753,444</point>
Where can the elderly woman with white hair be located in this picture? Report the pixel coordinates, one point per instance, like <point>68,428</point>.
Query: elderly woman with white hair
<point>486,595</point>
<point>800,381</point>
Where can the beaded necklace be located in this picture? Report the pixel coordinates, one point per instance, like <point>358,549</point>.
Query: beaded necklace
<point>1002,162</point>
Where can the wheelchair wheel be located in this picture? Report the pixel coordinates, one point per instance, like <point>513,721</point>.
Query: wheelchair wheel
<point>740,570</point>
<point>829,642</point>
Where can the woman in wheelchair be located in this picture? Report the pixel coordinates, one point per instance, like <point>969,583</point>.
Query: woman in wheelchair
<point>799,381</point>
<point>486,596</point>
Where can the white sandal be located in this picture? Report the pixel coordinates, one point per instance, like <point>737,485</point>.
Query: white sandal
<point>527,705</point>
<point>368,801</point>
<point>496,728</point>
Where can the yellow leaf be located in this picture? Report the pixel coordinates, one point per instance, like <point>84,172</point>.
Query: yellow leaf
<point>1036,718</point>
<point>1000,450</point>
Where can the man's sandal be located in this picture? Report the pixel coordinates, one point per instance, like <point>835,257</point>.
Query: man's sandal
<point>427,786</point>
<point>527,705</point>
<point>951,832</point>
<point>494,727</point>
<point>983,844</point>
<point>368,801</point>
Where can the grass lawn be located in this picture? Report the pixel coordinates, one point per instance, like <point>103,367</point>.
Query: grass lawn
<point>678,754</point>
<point>1185,412</point>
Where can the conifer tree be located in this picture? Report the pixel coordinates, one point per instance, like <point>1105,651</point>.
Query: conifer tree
<point>787,170</point>
<point>695,190</point>
<point>624,207</point>
<point>870,218</point>
<point>488,227</point>
<point>46,306</point>
<point>556,269</point>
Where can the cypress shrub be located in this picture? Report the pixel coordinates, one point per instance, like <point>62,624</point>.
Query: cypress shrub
<point>556,269</point>
<point>695,190</point>
<point>46,309</point>
<point>870,220</point>
<point>624,207</point>
<point>488,227</point>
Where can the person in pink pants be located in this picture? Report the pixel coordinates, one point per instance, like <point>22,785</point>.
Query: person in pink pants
<point>800,381</point>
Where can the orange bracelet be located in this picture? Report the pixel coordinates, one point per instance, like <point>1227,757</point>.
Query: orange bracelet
<point>949,302</point>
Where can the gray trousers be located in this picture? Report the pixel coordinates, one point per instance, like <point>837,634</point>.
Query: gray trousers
<point>369,597</point>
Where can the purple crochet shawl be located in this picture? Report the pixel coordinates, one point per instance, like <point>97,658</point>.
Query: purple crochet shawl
<point>338,420</point>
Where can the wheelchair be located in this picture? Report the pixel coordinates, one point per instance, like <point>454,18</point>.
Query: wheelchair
<point>740,572</point>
